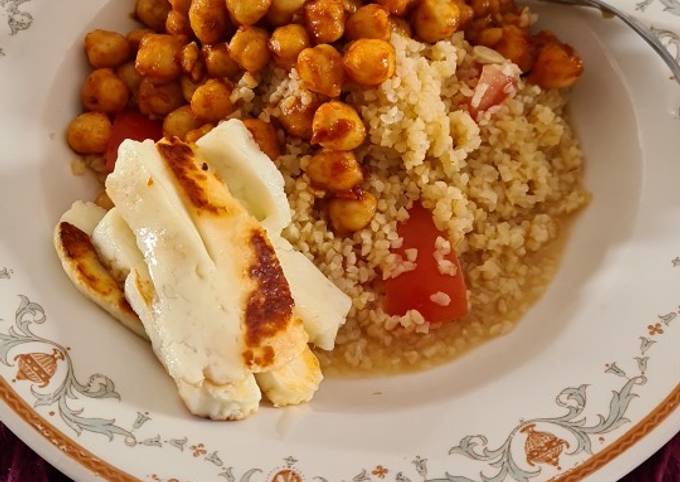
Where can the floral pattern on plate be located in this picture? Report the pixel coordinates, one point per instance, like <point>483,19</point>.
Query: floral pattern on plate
<point>544,441</point>
<point>557,446</point>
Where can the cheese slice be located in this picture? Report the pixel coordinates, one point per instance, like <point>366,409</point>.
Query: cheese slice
<point>243,255</point>
<point>250,174</point>
<point>84,215</point>
<point>229,401</point>
<point>85,270</point>
<point>117,247</point>
<point>195,328</point>
<point>255,180</point>
<point>318,302</point>
<point>294,383</point>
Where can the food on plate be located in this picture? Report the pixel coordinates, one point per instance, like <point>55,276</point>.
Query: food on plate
<point>79,258</point>
<point>225,302</point>
<point>404,170</point>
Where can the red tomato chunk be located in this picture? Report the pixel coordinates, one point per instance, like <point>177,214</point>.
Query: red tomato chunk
<point>494,86</point>
<point>413,290</point>
<point>130,125</point>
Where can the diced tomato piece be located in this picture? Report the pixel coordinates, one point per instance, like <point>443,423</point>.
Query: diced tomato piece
<point>412,290</point>
<point>130,125</point>
<point>496,84</point>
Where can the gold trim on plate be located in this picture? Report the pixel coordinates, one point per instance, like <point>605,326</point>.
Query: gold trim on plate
<point>113,474</point>
<point>81,455</point>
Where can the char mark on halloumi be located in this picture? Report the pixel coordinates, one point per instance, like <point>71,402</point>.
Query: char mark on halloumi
<point>179,158</point>
<point>80,262</point>
<point>79,249</point>
<point>270,304</point>
<point>240,248</point>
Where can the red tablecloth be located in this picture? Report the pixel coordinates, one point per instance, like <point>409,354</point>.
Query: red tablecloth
<point>18,463</point>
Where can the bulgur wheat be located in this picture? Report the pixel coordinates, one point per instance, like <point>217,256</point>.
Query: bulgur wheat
<point>502,189</point>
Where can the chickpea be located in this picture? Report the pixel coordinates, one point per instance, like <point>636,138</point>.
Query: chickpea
<point>104,92</point>
<point>248,48</point>
<point>178,23</point>
<point>481,8</point>
<point>400,26</point>
<point>337,126</point>
<point>557,66</point>
<point>218,62</point>
<point>436,20</point>
<point>152,13</point>
<point>211,101</point>
<point>196,134</point>
<point>503,6</point>
<point>158,57</point>
<point>89,133</point>
<point>516,46</point>
<point>296,117</point>
<point>208,20</point>
<point>325,20</point>
<point>188,87</point>
<point>397,7</point>
<point>180,5</point>
<point>476,26</point>
<point>180,122</point>
<point>321,70</point>
<point>467,13</point>
<point>351,215</point>
<point>159,100</point>
<point>514,19</point>
<point>129,75</point>
<point>370,21</point>
<point>370,61</point>
<point>191,62</point>
<point>265,137</point>
<point>334,170</point>
<point>286,44</point>
<point>489,37</point>
<point>281,11</point>
<point>106,49</point>
<point>247,12</point>
<point>351,6</point>
<point>135,37</point>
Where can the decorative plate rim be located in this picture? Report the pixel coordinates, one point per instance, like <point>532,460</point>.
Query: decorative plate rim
<point>97,466</point>
<point>53,444</point>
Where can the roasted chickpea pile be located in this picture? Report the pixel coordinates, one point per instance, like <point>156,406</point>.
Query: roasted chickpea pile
<point>180,67</point>
<point>502,26</point>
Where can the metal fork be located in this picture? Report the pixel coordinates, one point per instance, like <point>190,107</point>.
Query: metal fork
<point>633,23</point>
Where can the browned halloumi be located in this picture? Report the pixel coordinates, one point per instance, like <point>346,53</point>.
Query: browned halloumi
<point>293,383</point>
<point>229,401</point>
<point>240,248</point>
<point>255,181</point>
<point>80,262</point>
<point>195,328</point>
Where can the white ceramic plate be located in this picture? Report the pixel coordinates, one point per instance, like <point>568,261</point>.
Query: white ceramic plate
<point>585,387</point>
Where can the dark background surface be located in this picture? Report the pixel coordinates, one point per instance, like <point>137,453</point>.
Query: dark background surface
<point>18,463</point>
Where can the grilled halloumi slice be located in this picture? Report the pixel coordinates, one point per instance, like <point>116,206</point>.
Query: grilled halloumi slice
<point>230,401</point>
<point>233,401</point>
<point>250,174</point>
<point>82,265</point>
<point>255,180</point>
<point>84,215</point>
<point>116,246</point>
<point>243,254</point>
<point>318,302</point>
<point>195,324</point>
<point>294,383</point>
